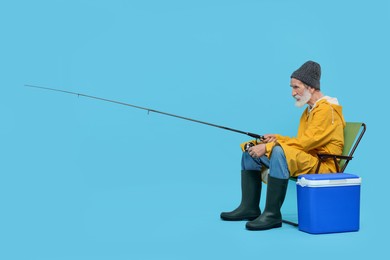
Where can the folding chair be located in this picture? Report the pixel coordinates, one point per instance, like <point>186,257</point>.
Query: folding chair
<point>353,133</point>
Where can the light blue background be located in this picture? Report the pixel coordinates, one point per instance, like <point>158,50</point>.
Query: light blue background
<point>83,179</point>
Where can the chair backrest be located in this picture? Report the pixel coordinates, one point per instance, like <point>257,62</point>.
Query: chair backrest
<point>353,133</point>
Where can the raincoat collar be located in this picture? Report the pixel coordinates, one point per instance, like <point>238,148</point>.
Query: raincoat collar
<point>330,100</point>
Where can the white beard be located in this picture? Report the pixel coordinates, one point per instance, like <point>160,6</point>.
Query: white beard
<point>302,100</point>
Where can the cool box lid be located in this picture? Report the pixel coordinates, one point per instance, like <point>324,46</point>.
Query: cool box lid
<point>328,180</point>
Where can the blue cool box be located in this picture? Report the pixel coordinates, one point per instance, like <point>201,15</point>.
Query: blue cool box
<point>328,203</point>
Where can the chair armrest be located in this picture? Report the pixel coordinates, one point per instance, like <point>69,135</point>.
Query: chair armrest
<point>326,156</point>
<point>323,156</point>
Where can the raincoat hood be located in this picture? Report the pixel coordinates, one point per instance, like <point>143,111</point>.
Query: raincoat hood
<point>334,104</point>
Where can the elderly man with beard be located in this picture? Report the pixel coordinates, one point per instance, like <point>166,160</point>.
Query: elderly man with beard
<point>320,130</point>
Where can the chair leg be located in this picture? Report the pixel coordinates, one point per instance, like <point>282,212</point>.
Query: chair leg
<point>290,223</point>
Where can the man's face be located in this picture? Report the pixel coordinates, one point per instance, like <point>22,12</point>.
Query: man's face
<point>300,92</point>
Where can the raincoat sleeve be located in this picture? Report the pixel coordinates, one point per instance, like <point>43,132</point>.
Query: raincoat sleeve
<point>316,134</point>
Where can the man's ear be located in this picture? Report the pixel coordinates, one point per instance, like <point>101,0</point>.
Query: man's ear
<point>311,90</point>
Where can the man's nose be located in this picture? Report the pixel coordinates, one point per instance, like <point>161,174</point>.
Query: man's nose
<point>293,92</point>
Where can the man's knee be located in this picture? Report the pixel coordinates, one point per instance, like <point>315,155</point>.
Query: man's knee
<point>246,156</point>
<point>248,163</point>
<point>277,151</point>
<point>279,168</point>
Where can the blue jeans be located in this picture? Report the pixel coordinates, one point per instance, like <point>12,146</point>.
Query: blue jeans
<point>277,163</point>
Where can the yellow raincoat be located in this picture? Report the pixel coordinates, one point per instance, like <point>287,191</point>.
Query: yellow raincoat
<point>321,130</point>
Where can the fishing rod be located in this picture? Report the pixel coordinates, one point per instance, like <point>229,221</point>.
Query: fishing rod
<point>256,136</point>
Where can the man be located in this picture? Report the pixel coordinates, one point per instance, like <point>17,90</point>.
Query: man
<point>320,130</point>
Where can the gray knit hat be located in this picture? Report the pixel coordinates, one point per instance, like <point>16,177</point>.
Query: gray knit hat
<point>309,73</point>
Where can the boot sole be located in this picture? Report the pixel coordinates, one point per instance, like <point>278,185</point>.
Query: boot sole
<point>240,219</point>
<point>253,228</point>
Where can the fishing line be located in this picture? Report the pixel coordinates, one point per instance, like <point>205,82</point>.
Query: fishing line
<point>256,136</point>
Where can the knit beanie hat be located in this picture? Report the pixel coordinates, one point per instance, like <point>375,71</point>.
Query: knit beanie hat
<point>309,73</point>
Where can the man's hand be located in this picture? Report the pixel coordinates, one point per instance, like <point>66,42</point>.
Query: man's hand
<point>268,138</point>
<point>257,151</point>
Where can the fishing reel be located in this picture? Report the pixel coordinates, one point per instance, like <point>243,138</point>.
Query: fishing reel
<point>259,139</point>
<point>249,145</point>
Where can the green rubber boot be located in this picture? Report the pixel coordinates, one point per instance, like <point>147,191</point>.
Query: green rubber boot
<point>271,217</point>
<point>250,190</point>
